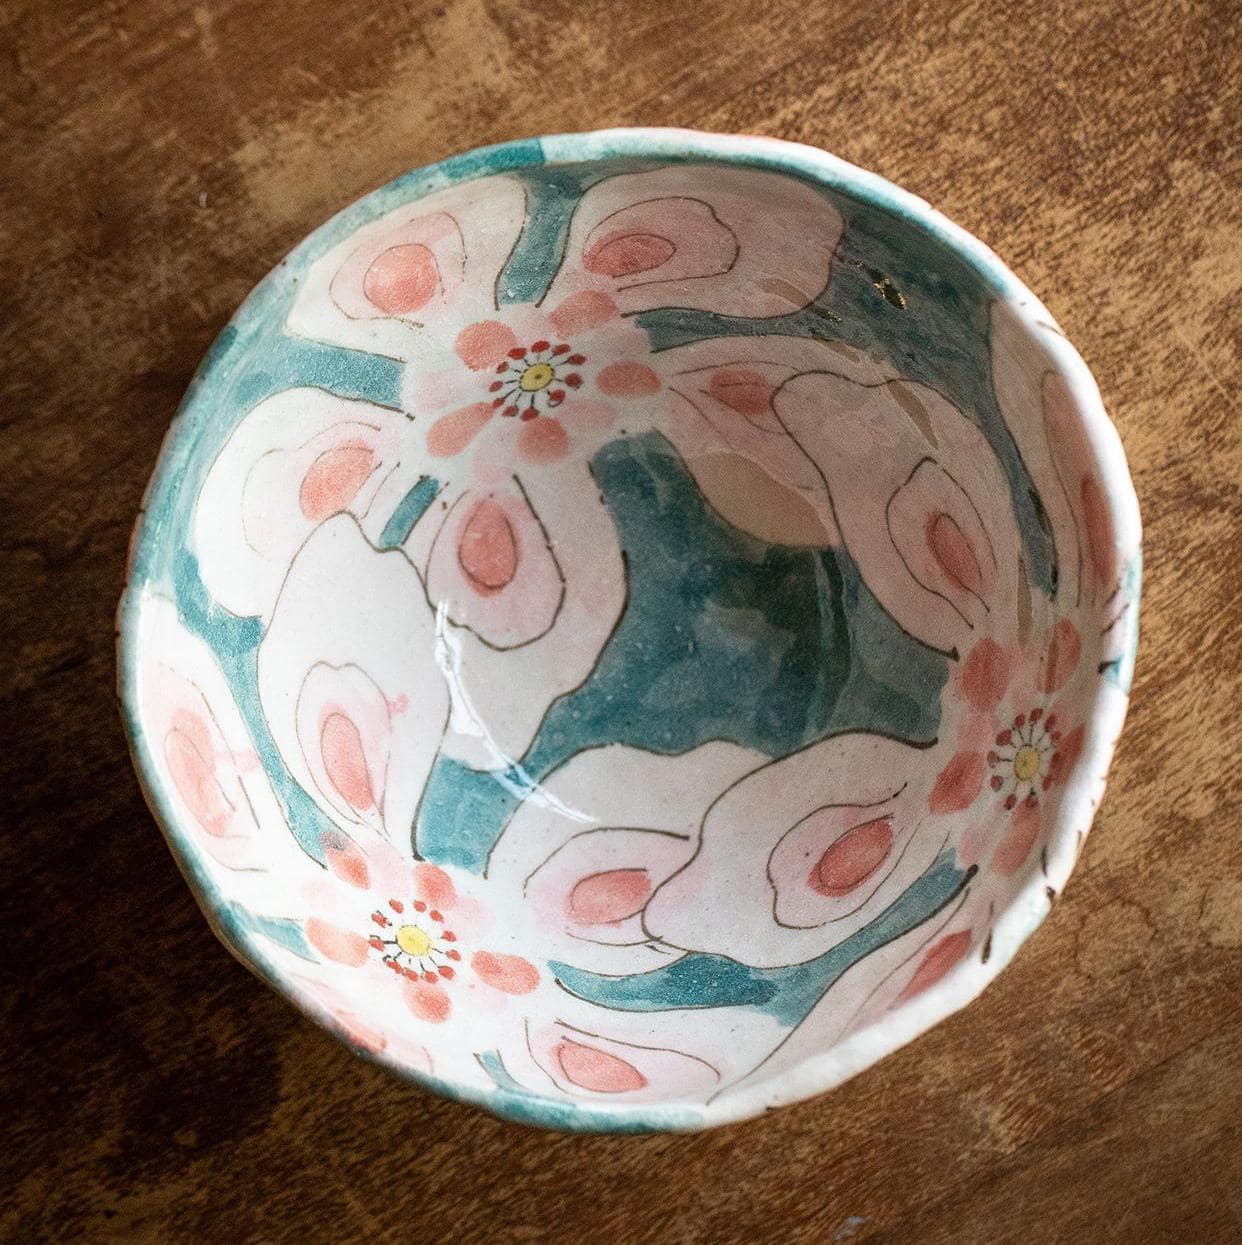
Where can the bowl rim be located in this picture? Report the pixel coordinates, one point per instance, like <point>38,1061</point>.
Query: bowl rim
<point>1030,904</point>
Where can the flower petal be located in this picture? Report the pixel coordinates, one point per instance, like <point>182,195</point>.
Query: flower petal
<point>204,757</point>
<point>298,458</point>
<point>491,567</point>
<point>427,262</point>
<point>723,421</point>
<point>598,836</point>
<point>533,571</point>
<point>733,240</point>
<point>923,505</point>
<point>802,852</point>
<point>348,680</point>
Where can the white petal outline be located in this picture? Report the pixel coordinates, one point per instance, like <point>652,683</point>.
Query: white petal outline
<point>249,518</point>
<point>346,604</point>
<point>873,443</point>
<point>725,901</point>
<point>258,859</point>
<point>488,214</point>
<point>620,794</point>
<point>500,696</point>
<point>784,248</point>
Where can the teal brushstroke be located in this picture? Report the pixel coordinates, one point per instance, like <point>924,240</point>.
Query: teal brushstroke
<point>409,510</point>
<point>551,196</point>
<point>724,637</point>
<point>1120,671</point>
<point>284,933</point>
<point>516,1102</point>
<point>786,994</point>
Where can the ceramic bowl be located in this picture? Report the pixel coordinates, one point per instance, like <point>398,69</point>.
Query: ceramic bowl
<point>627,629</point>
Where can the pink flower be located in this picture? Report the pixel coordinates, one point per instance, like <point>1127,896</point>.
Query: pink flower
<point>407,930</point>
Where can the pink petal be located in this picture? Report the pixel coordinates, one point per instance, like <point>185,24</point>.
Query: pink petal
<point>402,279</point>
<point>485,344</point>
<point>451,433</point>
<point>1015,845</point>
<point>1064,652</point>
<point>943,957</point>
<point>401,271</point>
<point>346,862</point>
<point>958,784</point>
<point>608,898</point>
<point>628,380</point>
<point>510,974</point>
<point>427,1000</point>
<point>851,858</point>
<point>597,1070</point>
<point>345,946</point>
<point>583,312</point>
<point>435,886</point>
<point>543,441</point>
<point>344,728</point>
<point>986,674</point>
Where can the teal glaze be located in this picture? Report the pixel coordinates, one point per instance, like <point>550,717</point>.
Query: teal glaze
<point>876,677</point>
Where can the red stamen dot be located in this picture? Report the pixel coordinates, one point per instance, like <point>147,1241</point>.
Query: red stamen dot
<point>573,380</point>
<point>1052,721</point>
<point>429,977</point>
<point>1005,737</point>
<point>435,916</point>
<point>1010,801</point>
<point>419,906</point>
<point>501,368</point>
<point>380,919</point>
<point>447,973</point>
<point>411,973</point>
<point>453,954</point>
<point>396,905</point>
<point>557,395</point>
<point>997,782</point>
<point>1047,782</point>
<point>518,352</point>
<point>992,758</point>
<point>448,935</point>
<point>497,402</point>
<point>540,346</point>
<point>376,941</point>
<point>562,348</point>
<point>576,359</point>
<point>529,413</point>
<point>391,963</point>
<point>1030,800</point>
<point>1020,720</point>
<point>496,384</point>
<point>510,410</point>
<point>1036,714</point>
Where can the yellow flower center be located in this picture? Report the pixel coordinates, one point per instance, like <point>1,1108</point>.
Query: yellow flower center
<point>1026,763</point>
<point>537,376</point>
<point>413,941</point>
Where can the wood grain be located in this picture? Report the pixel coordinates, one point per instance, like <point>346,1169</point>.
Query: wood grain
<point>159,157</point>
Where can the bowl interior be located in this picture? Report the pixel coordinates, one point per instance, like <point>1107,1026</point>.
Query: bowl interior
<point>631,639</point>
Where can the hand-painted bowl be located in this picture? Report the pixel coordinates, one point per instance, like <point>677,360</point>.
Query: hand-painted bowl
<point>627,629</point>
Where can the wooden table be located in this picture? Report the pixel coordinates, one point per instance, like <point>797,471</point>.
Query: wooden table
<point>159,158</point>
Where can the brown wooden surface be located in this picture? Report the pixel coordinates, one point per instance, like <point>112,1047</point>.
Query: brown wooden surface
<point>157,159</point>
